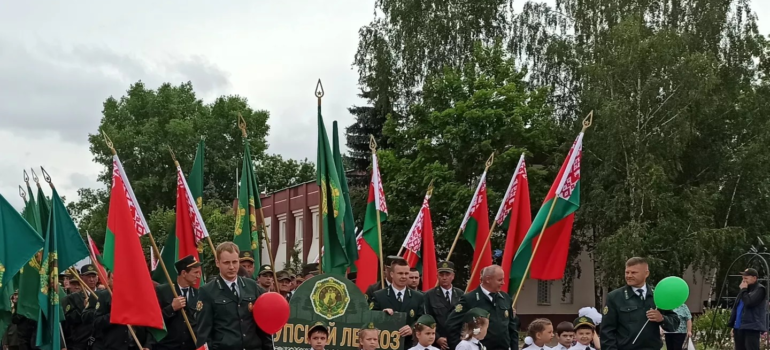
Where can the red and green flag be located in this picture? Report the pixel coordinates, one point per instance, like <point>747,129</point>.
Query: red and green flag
<point>349,225</point>
<point>63,247</point>
<point>96,259</point>
<point>178,245</point>
<point>332,207</point>
<point>515,215</point>
<point>134,301</point>
<point>419,247</point>
<point>557,216</point>
<point>375,203</point>
<point>366,264</point>
<point>475,227</point>
<point>247,233</point>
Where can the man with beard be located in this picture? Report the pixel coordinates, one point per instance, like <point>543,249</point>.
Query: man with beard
<point>440,301</point>
<point>188,275</point>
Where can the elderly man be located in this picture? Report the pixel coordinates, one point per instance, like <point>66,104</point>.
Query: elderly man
<point>631,311</point>
<point>503,331</point>
<point>749,316</point>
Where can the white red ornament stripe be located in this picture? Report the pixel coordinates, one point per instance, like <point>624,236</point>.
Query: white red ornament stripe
<point>379,192</point>
<point>571,175</point>
<point>142,228</point>
<point>510,194</point>
<point>413,241</point>
<point>476,201</point>
<point>199,227</point>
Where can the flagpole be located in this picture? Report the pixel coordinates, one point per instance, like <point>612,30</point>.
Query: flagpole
<point>319,93</point>
<point>428,193</point>
<point>242,126</point>
<point>460,231</point>
<point>160,260</point>
<point>373,147</point>
<point>586,124</point>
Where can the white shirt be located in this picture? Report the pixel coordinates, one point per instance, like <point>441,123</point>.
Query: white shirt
<point>447,291</point>
<point>644,291</point>
<point>472,344</point>
<point>403,291</point>
<point>488,294</point>
<point>579,346</point>
<point>420,347</point>
<point>230,284</point>
<point>558,347</point>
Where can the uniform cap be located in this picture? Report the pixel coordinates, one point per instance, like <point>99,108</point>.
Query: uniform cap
<point>446,266</point>
<point>88,269</point>
<point>283,275</point>
<point>750,272</point>
<point>265,269</point>
<point>310,269</point>
<point>426,320</point>
<point>317,325</point>
<point>186,263</point>
<point>246,256</point>
<point>584,321</point>
<point>475,313</point>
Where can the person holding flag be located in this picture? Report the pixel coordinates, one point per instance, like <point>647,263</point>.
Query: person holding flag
<point>189,272</point>
<point>107,335</point>
<point>77,330</point>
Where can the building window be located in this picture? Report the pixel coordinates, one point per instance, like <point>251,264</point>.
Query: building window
<point>282,233</point>
<point>315,226</point>
<point>298,230</point>
<point>543,292</point>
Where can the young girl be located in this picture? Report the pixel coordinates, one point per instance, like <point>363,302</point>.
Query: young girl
<point>475,329</point>
<point>541,332</point>
<point>584,333</point>
<point>425,333</point>
<point>368,337</point>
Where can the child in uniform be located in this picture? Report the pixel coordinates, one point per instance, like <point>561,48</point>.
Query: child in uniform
<point>474,330</point>
<point>584,333</point>
<point>425,333</point>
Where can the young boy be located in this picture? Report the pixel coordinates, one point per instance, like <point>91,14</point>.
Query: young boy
<point>565,332</point>
<point>318,335</point>
<point>584,333</point>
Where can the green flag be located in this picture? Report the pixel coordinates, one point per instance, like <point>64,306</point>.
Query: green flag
<point>351,246</point>
<point>247,235</point>
<point>29,280</point>
<point>170,252</point>
<point>15,232</point>
<point>63,247</point>
<point>332,207</point>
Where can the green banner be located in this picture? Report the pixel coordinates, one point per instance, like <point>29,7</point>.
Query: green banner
<point>338,302</point>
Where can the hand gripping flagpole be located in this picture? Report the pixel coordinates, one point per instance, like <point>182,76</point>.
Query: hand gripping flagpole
<point>373,148</point>
<point>428,193</point>
<point>156,251</point>
<point>319,94</point>
<point>586,124</point>
<point>460,231</point>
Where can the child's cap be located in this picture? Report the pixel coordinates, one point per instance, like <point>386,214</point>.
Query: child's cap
<point>426,320</point>
<point>369,325</point>
<point>318,325</point>
<point>584,321</point>
<point>475,313</point>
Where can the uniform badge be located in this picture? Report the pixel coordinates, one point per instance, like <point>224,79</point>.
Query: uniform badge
<point>606,309</point>
<point>459,308</point>
<point>411,313</point>
<point>97,305</point>
<point>371,305</point>
<point>68,308</point>
<point>506,313</point>
<point>251,307</point>
<point>199,305</point>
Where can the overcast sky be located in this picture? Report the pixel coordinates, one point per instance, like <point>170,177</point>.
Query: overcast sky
<point>60,60</point>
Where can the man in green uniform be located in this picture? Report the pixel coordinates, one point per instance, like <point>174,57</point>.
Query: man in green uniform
<point>108,336</point>
<point>440,301</point>
<point>224,308</point>
<point>265,278</point>
<point>77,331</point>
<point>284,284</point>
<point>399,298</point>
<point>503,332</point>
<point>178,336</point>
<point>628,310</point>
<point>247,262</point>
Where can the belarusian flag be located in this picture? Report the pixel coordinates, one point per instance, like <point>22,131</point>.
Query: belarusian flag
<point>134,301</point>
<point>475,227</point>
<point>515,215</point>
<point>142,228</point>
<point>420,248</point>
<point>376,203</point>
<point>96,259</point>
<point>247,233</point>
<point>332,207</point>
<point>63,247</point>
<point>190,228</point>
<point>367,264</point>
<point>349,226</point>
<point>561,203</point>
<point>172,248</point>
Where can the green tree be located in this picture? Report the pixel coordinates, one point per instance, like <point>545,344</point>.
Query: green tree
<point>466,115</point>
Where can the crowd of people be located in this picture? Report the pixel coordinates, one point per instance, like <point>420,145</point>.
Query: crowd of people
<point>442,318</point>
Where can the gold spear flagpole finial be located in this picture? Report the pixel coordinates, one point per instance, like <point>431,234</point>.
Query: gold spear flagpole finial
<point>26,177</point>
<point>430,188</point>
<point>372,143</point>
<point>490,161</point>
<point>589,119</point>
<point>46,176</point>
<point>109,143</point>
<point>242,124</point>
<point>173,156</point>
<point>34,176</point>
<point>22,193</point>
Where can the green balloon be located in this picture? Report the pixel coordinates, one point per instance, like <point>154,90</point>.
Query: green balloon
<point>671,293</point>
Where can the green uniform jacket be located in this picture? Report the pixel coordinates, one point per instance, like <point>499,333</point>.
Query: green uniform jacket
<point>625,314</point>
<point>413,306</point>
<point>108,336</point>
<point>225,321</point>
<point>77,331</point>
<point>503,332</point>
<point>437,306</point>
<point>178,336</point>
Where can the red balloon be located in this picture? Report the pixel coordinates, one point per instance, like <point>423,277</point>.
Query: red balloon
<point>271,312</point>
